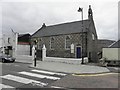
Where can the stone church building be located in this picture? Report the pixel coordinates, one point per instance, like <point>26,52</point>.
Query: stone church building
<point>59,38</point>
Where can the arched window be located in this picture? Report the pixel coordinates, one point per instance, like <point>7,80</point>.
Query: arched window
<point>93,36</point>
<point>52,43</point>
<point>67,42</point>
<point>9,40</point>
<point>39,43</point>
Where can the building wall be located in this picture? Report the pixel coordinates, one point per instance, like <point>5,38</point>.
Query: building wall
<point>23,49</point>
<point>9,43</point>
<point>92,43</point>
<point>104,44</point>
<point>111,53</point>
<point>59,49</point>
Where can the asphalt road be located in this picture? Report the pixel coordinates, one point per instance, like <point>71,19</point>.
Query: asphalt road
<point>19,76</point>
<point>105,81</point>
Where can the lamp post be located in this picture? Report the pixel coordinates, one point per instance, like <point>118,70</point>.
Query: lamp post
<point>81,10</point>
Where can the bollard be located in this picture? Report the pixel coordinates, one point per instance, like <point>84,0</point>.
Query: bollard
<point>43,52</point>
<point>34,56</point>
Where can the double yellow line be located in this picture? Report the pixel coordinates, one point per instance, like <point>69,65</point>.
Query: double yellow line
<point>90,75</point>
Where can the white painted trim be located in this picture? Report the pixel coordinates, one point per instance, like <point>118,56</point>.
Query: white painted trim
<point>93,36</point>
<point>112,44</point>
<point>66,60</point>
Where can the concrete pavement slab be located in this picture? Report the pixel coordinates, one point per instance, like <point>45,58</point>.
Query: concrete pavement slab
<point>69,68</point>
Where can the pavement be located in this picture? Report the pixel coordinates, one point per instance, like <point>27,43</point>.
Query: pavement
<point>63,67</point>
<point>70,68</point>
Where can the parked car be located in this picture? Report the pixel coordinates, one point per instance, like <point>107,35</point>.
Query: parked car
<point>6,58</point>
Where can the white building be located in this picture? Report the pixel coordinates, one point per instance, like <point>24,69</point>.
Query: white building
<point>0,44</point>
<point>9,43</point>
<point>111,54</point>
<point>16,45</point>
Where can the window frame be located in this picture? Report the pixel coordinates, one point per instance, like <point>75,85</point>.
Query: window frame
<point>52,47</point>
<point>93,36</point>
<point>8,40</point>
<point>39,43</point>
<point>66,48</point>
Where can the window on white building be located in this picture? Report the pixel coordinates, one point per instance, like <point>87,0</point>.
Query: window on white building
<point>67,42</point>
<point>8,40</point>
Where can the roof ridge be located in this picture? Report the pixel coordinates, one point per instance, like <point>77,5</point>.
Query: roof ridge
<point>62,28</point>
<point>67,23</point>
<point>113,43</point>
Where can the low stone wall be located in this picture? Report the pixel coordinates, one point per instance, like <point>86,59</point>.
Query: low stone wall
<point>62,60</point>
<point>66,60</point>
<point>60,53</point>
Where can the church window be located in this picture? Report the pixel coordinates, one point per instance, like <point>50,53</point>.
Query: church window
<point>52,43</point>
<point>39,43</point>
<point>67,42</point>
<point>93,36</point>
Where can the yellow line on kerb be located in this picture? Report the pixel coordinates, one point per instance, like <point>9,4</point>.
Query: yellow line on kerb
<point>88,75</point>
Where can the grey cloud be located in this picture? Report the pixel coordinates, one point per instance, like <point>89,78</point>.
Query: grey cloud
<point>28,17</point>
<point>119,20</point>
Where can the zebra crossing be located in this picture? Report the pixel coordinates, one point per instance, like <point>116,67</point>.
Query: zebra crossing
<point>34,77</point>
<point>5,86</point>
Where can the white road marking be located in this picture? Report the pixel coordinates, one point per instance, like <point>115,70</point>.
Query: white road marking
<point>48,72</point>
<point>17,65</point>
<point>5,86</point>
<point>56,87</point>
<point>88,75</point>
<point>41,84</point>
<point>19,79</point>
<point>116,68</point>
<point>38,75</point>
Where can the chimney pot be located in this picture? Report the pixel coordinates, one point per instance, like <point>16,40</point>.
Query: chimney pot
<point>43,25</point>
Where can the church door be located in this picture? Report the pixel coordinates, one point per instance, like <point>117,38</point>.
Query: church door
<point>78,52</point>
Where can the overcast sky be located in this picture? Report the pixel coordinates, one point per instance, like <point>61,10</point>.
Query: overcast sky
<point>27,16</point>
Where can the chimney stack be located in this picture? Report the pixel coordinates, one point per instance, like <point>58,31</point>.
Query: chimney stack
<point>43,26</point>
<point>90,13</point>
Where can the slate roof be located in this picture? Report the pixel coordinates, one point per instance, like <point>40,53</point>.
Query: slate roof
<point>105,42</point>
<point>115,44</point>
<point>21,35</point>
<point>65,28</point>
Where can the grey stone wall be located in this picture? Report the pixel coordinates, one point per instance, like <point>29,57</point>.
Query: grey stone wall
<point>92,44</point>
<point>59,49</point>
<point>89,45</point>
